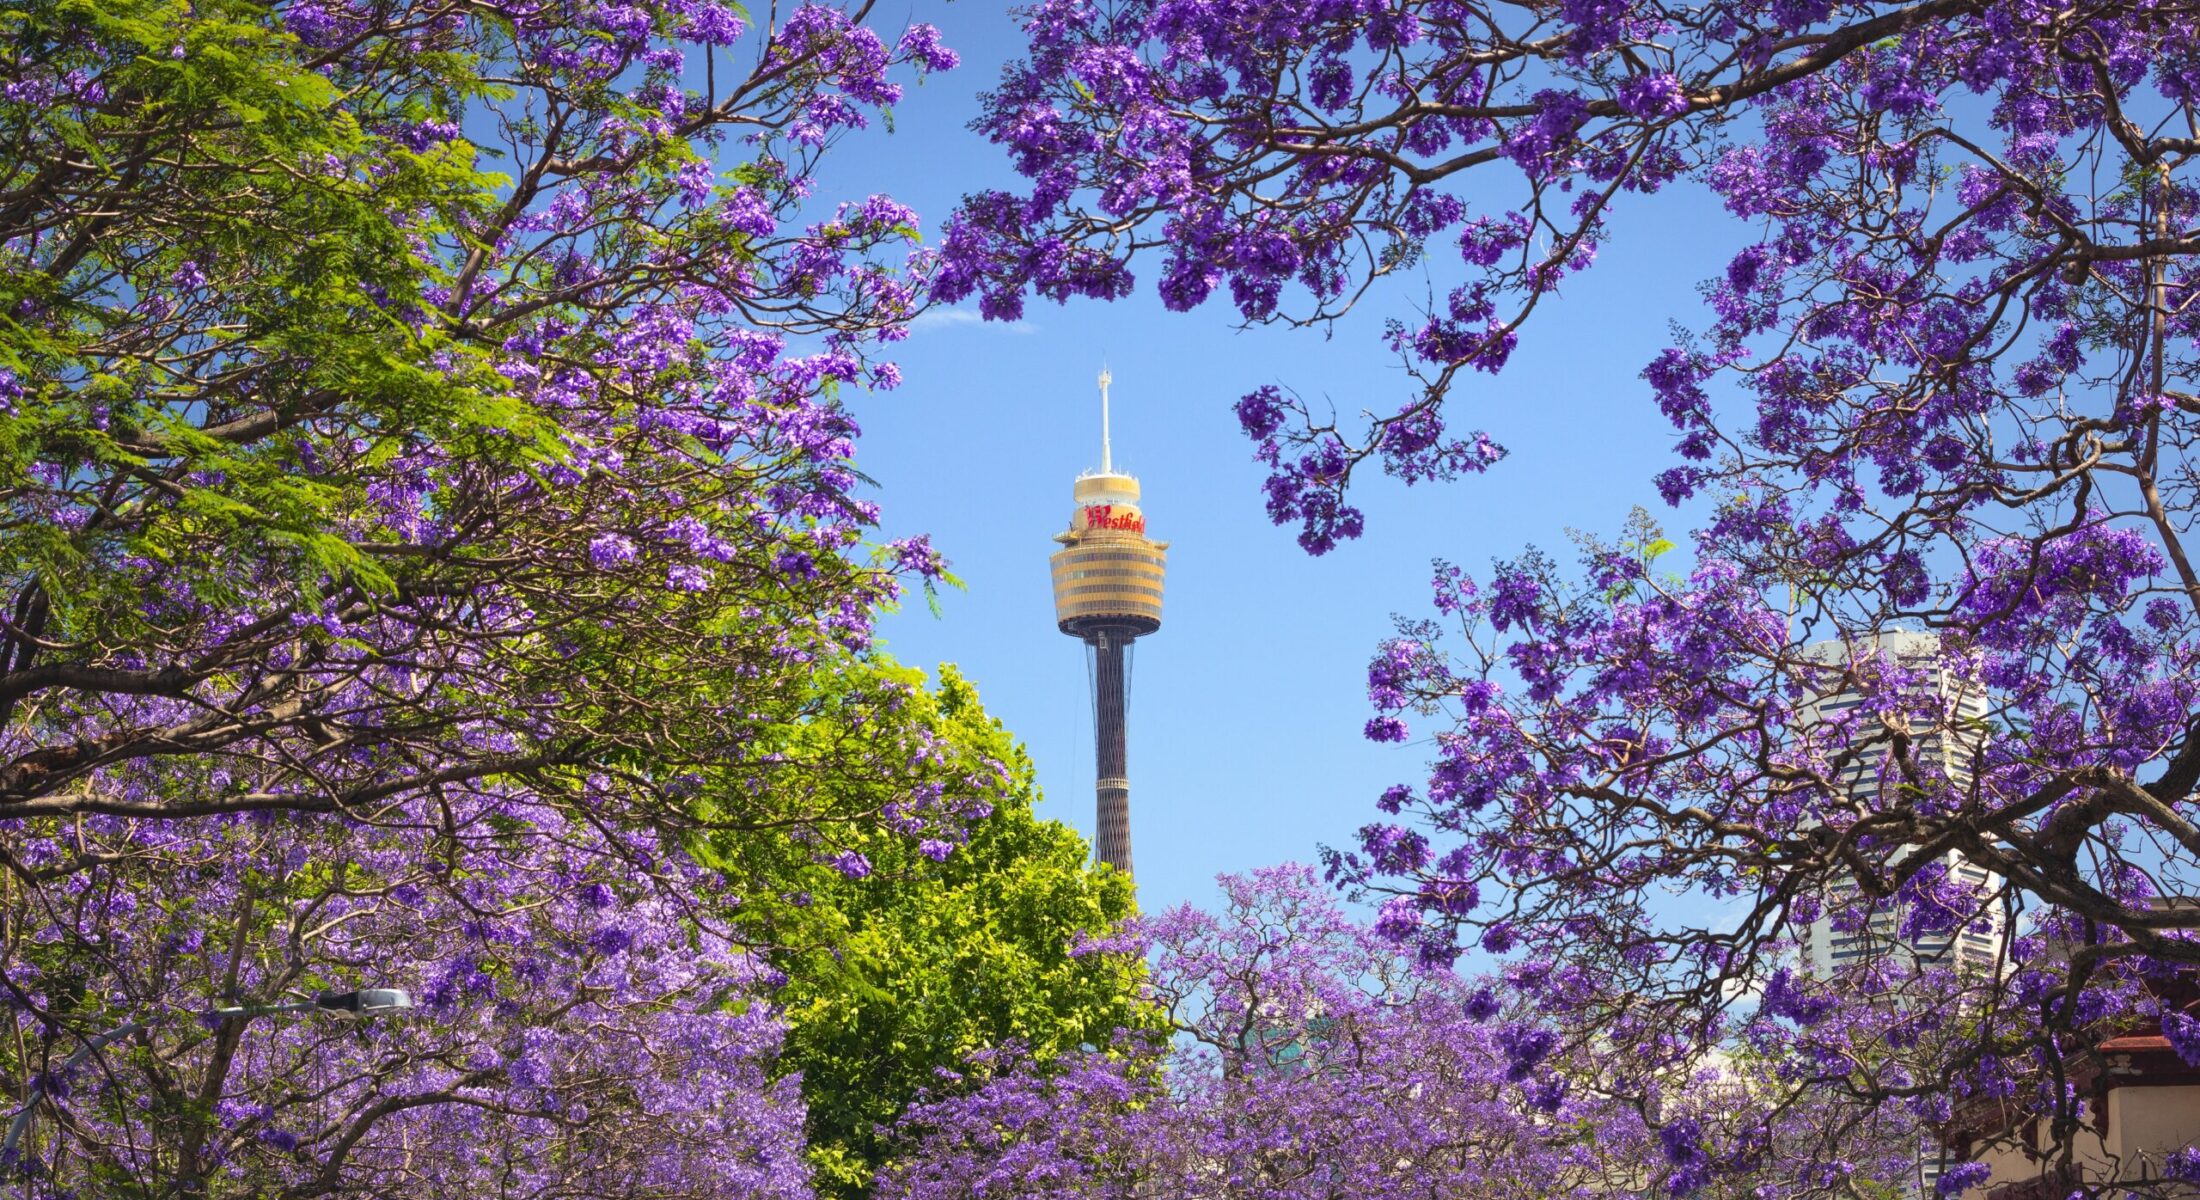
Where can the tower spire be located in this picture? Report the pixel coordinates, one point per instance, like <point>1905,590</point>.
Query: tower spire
<point>1107,459</point>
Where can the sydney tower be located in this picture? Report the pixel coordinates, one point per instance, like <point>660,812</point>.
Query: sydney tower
<point>1107,594</point>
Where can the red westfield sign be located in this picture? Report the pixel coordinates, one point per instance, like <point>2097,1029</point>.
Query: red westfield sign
<point>1104,516</point>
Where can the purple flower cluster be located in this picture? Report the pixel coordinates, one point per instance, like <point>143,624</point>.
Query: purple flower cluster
<point>570,1014</point>
<point>1307,1061</point>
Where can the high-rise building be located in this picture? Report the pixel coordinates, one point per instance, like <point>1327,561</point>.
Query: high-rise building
<point>1949,745</point>
<point>1107,594</point>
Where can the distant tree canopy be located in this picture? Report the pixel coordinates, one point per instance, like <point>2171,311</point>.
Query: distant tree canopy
<point>1306,1058</point>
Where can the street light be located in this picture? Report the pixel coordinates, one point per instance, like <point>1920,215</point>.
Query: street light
<point>367,1002</point>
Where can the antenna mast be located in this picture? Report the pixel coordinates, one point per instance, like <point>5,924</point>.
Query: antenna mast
<point>1107,460</point>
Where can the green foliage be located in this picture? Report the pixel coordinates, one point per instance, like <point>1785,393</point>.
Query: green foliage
<point>414,343</point>
<point>896,976</point>
<point>220,148</point>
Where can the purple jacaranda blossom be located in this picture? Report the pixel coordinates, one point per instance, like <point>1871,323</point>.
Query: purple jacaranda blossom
<point>922,44</point>
<point>1298,1035</point>
<point>917,556</point>
<point>714,23</point>
<point>1653,95</point>
<point>852,864</point>
<point>687,577</point>
<point>609,550</point>
<point>2183,1033</point>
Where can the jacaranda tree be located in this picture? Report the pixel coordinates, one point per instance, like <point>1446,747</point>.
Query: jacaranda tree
<point>1308,1057</point>
<point>429,511</point>
<point>392,389</point>
<point>577,1031</point>
<point>1944,385</point>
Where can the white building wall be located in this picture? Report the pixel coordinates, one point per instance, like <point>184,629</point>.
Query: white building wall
<point>1979,946</point>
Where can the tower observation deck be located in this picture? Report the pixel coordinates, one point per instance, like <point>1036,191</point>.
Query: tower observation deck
<point>1107,594</point>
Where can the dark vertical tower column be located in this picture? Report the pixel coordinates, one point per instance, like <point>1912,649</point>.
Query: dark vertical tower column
<point>1110,700</point>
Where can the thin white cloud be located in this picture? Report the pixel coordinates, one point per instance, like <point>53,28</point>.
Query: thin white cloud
<point>943,318</point>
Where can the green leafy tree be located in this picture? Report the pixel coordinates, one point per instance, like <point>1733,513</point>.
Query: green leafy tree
<point>905,956</point>
<point>391,393</point>
<point>423,477</point>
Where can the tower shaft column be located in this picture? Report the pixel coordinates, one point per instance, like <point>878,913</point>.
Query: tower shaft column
<point>1111,749</point>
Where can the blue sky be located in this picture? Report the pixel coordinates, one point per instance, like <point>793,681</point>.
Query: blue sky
<point>1247,706</point>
